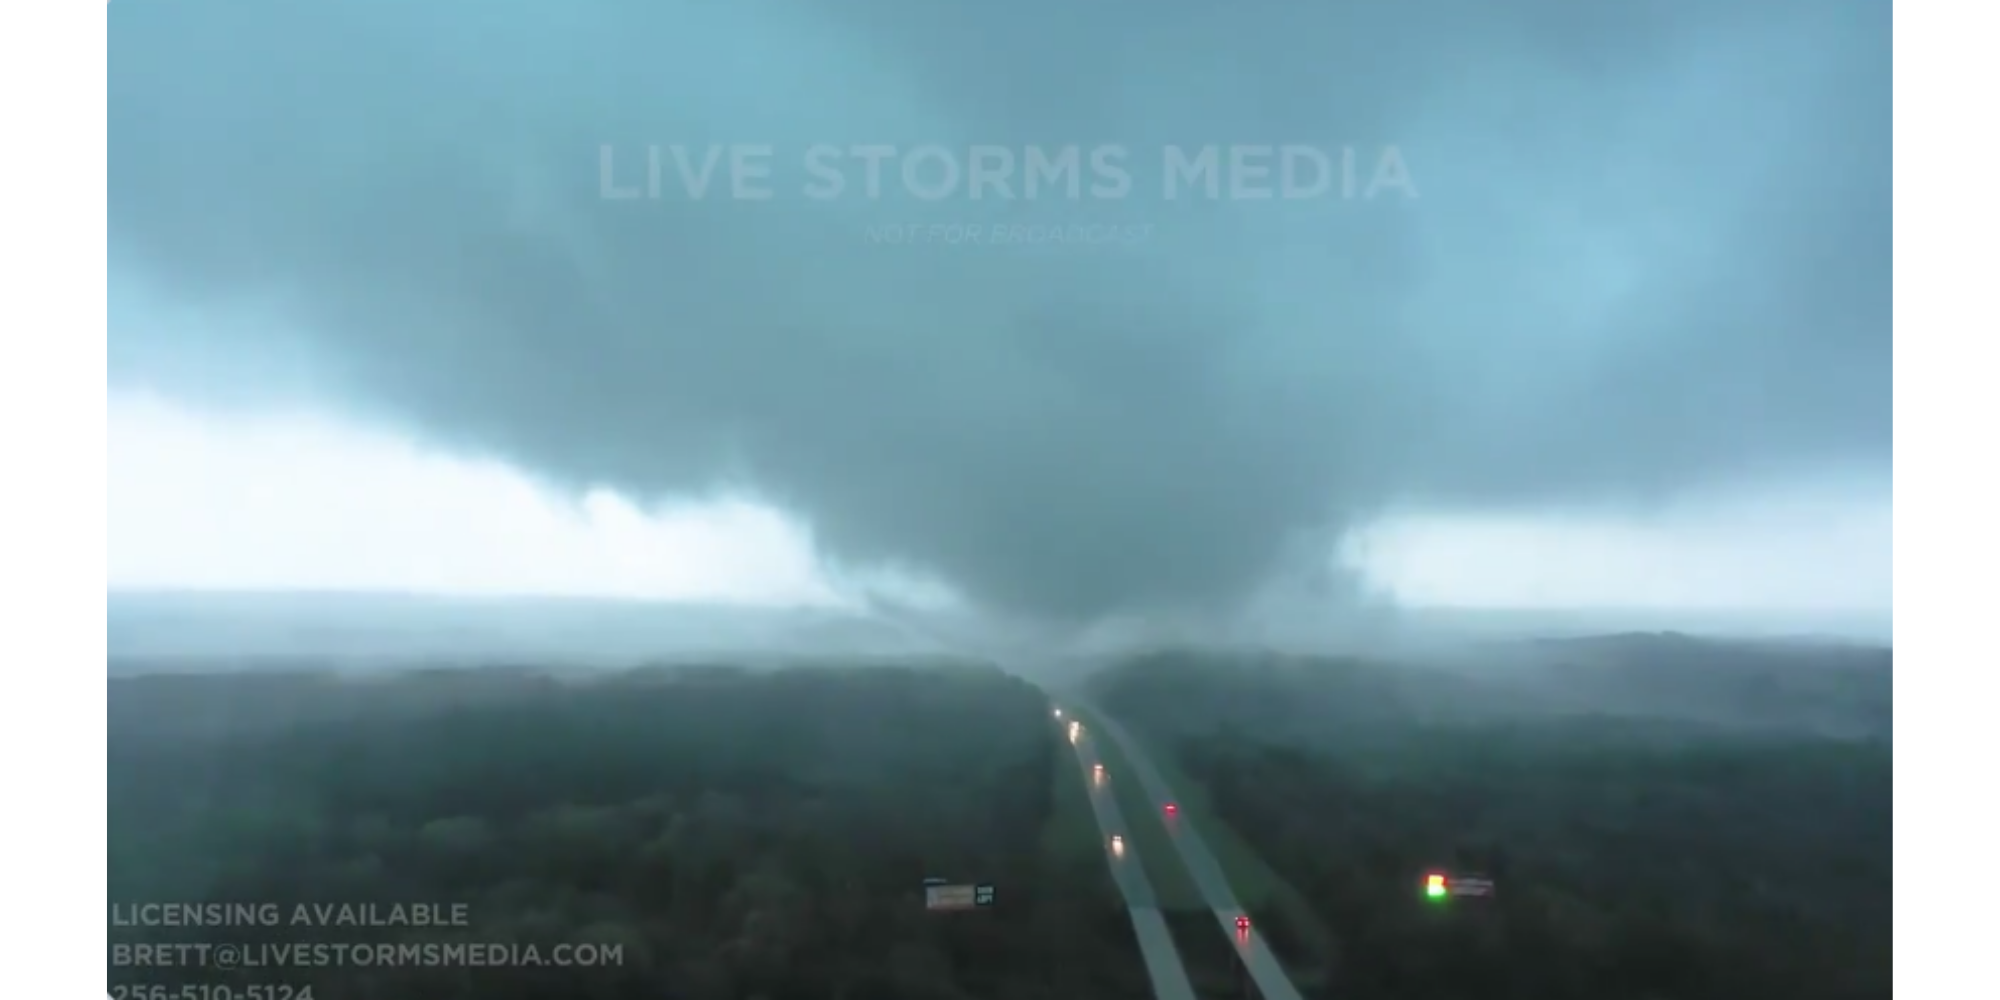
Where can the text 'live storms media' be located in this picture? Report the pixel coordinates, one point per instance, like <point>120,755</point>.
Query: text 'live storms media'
<point>937,173</point>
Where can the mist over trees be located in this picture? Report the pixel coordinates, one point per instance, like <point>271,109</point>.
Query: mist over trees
<point>737,834</point>
<point>1664,817</point>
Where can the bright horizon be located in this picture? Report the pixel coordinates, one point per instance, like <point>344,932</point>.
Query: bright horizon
<point>306,501</point>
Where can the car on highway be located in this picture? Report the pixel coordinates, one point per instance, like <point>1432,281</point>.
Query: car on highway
<point>1172,809</point>
<point>1117,844</point>
<point>1242,922</point>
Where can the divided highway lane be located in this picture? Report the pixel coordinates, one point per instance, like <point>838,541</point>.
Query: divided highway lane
<point>1156,942</point>
<point>1272,982</point>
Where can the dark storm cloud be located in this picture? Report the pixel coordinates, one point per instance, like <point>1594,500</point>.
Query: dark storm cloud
<point>1649,249</point>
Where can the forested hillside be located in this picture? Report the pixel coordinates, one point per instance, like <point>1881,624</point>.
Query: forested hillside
<point>737,834</point>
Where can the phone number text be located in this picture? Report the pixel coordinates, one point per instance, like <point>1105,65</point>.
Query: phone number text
<point>212,991</point>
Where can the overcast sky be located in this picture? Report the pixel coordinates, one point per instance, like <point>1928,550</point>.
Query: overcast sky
<point>294,500</point>
<point>1615,328</point>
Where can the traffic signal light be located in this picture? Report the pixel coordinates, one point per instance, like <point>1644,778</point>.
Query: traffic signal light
<point>1434,887</point>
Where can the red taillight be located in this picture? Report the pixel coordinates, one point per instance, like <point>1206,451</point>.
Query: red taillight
<point>1171,808</point>
<point>1242,923</point>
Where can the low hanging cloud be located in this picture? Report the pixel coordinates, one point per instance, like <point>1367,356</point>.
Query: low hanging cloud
<point>950,282</point>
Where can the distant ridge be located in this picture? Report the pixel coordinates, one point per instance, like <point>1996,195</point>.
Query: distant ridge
<point>148,631</point>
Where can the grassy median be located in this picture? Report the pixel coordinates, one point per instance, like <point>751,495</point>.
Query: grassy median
<point>1144,831</point>
<point>1257,886</point>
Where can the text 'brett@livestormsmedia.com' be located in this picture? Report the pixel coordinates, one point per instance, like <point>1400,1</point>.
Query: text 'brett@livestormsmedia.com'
<point>937,174</point>
<point>248,955</point>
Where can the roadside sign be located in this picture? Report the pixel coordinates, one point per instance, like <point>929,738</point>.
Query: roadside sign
<point>1471,887</point>
<point>1441,885</point>
<point>950,897</point>
<point>957,897</point>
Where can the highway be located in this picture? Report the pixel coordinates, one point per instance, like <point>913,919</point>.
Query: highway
<point>1272,982</point>
<point>1156,942</point>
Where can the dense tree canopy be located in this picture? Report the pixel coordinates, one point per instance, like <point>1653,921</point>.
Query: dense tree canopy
<point>737,834</point>
<point>1694,822</point>
<point>1635,853</point>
